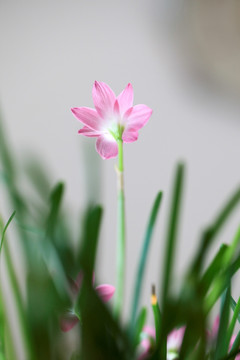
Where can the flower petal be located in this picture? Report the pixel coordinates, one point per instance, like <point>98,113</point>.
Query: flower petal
<point>68,322</point>
<point>125,99</point>
<point>86,131</point>
<point>88,117</point>
<point>103,98</point>
<point>105,292</point>
<point>106,146</point>
<point>175,338</point>
<point>129,136</point>
<point>137,116</point>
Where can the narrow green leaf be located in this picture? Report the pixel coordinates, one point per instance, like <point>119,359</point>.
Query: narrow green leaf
<point>213,269</point>
<point>171,239</point>
<point>220,284</point>
<point>143,259</point>
<point>236,315</point>
<point>55,201</point>
<point>233,306</point>
<point>222,345</point>
<point>172,232</point>
<point>157,316</point>
<point>212,231</point>
<point>232,355</point>
<point>90,240</point>
<point>5,229</point>
<point>139,325</point>
<point>236,344</point>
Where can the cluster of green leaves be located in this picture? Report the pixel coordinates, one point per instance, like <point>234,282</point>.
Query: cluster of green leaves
<point>50,259</point>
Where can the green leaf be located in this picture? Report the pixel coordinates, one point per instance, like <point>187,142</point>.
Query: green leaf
<point>222,343</point>
<point>213,230</point>
<point>143,259</point>
<point>139,325</point>
<point>233,306</point>
<point>236,315</point>
<point>157,318</point>
<point>213,269</point>
<point>55,200</point>
<point>235,348</point>
<point>90,240</point>
<point>5,229</point>
<point>171,239</point>
<point>172,232</point>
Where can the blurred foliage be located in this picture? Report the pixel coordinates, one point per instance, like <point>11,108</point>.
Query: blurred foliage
<point>51,261</point>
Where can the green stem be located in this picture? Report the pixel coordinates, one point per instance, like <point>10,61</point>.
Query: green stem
<point>18,302</point>
<point>119,296</point>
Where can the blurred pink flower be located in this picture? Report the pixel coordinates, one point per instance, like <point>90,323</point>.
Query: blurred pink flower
<point>104,291</point>
<point>112,119</point>
<point>174,342</point>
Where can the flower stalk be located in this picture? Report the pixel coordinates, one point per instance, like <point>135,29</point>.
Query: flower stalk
<point>120,234</point>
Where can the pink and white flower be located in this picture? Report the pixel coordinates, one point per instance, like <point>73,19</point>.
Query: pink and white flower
<point>104,291</point>
<point>113,119</point>
<point>174,342</point>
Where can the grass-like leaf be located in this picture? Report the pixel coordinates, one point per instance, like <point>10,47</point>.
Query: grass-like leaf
<point>213,269</point>
<point>5,229</point>
<point>233,306</point>
<point>236,314</point>
<point>222,342</point>
<point>55,200</point>
<point>213,230</point>
<point>172,232</point>
<point>139,325</point>
<point>143,259</point>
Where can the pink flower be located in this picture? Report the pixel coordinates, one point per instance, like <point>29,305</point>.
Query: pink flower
<point>114,118</point>
<point>104,291</point>
<point>147,342</point>
<point>174,342</point>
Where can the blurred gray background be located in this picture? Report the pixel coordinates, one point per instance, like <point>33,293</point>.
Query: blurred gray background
<point>182,58</point>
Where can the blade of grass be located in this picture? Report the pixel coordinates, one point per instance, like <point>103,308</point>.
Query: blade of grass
<point>220,284</point>
<point>213,269</point>
<point>157,315</point>
<point>139,325</point>
<point>5,229</point>
<point>172,232</point>
<point>55,201</point>
<point>17,297</point>
<point>233,306</point>
<point>101,336</point>
<point>236,314</point>
<point>222,345</point>
<point>143,259</point>
<point>171,239</point>
<point>236,344</point>
<point>212,231</point>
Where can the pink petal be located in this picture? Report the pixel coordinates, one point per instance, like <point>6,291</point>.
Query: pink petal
<point>175,338</point>
<point>88,117</point>
<point>150,334</point>
<point>103,98</point>
<point>86,131</point>
<point>129,136</point>
<point>106,146</point>
<point>125,99</point>
<point>137,116</point>
<point>68,322</point>
<point>116,109</point>
<point>105,292</point>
